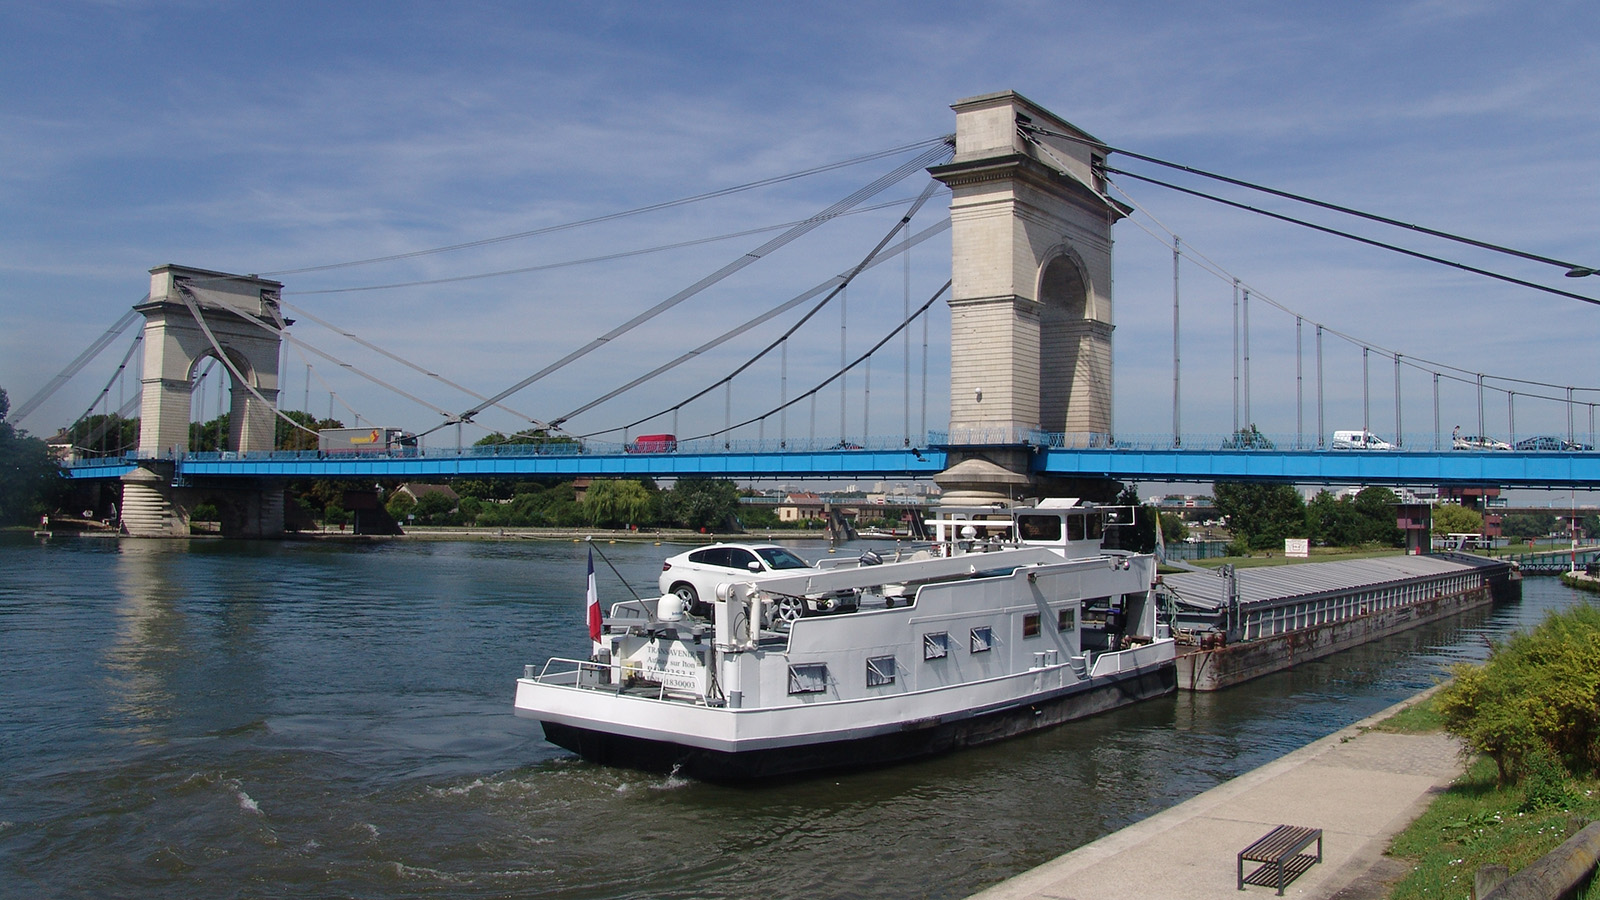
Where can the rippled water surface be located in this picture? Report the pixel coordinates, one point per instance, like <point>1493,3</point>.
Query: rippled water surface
<point>244,719</point>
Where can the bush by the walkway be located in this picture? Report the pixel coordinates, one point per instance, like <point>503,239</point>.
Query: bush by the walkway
<point>1538,695</point>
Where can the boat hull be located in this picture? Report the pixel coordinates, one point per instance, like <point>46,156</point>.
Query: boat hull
<point>909,740</point>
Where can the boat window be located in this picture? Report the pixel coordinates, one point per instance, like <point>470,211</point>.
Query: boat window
<point>1039,528</point>
<point>880,670</point>
<point>982,639</point>
<point>1066,619</point>
<point>1095,529</point>
<point>1074,528</point>
<point>779,558</point>
<point>936,646</point>
<point>1030,625</point>
<point>808,678</point>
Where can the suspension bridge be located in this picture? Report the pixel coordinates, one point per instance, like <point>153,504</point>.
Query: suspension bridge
<point>1032,203</point>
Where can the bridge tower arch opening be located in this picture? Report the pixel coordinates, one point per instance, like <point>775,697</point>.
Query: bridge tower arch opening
<point>192,315</point>
<point>1031,306</point>
<point>1074,349</point>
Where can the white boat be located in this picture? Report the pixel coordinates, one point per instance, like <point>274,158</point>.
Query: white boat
<point>1013,620</point>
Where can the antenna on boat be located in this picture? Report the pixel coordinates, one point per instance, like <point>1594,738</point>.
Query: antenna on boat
<point>589,539</point>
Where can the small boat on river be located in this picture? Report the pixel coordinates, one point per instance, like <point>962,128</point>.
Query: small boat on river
<point>1012,620</point>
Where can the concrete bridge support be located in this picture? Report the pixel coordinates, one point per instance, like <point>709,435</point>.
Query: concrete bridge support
<point>1031,313</point>
<point>192,315</point>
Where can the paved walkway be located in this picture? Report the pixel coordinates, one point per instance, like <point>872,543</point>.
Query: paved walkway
<point>1360,787</point>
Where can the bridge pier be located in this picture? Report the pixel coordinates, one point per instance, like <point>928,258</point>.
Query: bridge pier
<point>1030,304</point>
<point>152,506</point>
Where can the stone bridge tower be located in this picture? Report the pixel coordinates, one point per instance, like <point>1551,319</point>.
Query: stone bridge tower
<point>1030,306</point>
<point>192,315</point>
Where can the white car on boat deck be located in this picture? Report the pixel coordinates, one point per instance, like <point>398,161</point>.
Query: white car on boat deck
<point>696,575</point>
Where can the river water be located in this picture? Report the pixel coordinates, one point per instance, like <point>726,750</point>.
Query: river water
<point>318,719</point>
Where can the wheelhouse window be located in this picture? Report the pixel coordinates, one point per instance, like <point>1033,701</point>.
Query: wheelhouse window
<point>808,678</point>
<point>936,645</point>
<point>1030,625</point>
<point>1039,528</point>
<point>880,671</point>
<point>982,639</point>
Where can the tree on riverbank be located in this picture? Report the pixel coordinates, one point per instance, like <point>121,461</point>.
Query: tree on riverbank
<point>27,472</point>
<point>1449,518</point>
<point>1260,515</point>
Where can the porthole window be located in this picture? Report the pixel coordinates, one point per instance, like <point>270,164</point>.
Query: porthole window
<point>808,678</point>
<point>880,671</point>
<point>982,639</point>
<point>936,645</point>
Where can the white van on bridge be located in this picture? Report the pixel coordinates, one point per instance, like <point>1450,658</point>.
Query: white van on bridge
<point>1359,440</point>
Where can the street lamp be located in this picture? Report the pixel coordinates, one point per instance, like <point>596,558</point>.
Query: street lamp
<point>1580,271</point>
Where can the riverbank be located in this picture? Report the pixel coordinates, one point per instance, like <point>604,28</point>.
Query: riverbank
<point>1361,786</point>
<point>1581,581</point>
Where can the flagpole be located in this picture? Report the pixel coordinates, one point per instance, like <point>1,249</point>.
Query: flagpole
<point>592,604</point>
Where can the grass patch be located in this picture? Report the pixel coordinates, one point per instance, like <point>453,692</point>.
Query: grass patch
<point>1474,823</point>
<point>1420,718</point>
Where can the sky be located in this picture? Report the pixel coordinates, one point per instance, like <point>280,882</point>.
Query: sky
<point>276,138</point>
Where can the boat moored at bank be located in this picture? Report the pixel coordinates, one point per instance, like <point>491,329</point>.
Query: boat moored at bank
<point>1013,620</point>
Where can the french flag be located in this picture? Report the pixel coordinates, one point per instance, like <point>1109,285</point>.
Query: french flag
<point>593,596</point>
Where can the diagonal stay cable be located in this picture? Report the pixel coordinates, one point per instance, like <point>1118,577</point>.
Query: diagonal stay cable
<point>668,204</point>
<point>838,282</point>
<point>187,295</point>
<point>402,360</point>
<point>1358,238</point>
<point>283,334</point>
<point>837,375</point>
<point>121,367</point>
<point>899,173</point>
<point>76,366</point>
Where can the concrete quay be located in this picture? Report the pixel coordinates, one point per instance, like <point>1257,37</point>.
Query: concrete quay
<point>1360,787</point>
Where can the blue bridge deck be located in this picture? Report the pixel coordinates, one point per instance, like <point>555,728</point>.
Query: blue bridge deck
<point>1500,468</point>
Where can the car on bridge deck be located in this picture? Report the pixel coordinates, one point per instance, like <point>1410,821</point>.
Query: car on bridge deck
<point>1359,440</point>
<point>1477,442</point>
<point>1545,442</point>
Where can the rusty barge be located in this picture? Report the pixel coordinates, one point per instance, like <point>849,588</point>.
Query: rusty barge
<point>1237,624</point>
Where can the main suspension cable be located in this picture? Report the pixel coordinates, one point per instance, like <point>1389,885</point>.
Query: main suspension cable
<point>1356,237</point>
<point>609,257</point>
<point>1573,269</point>
<point>609,217</point>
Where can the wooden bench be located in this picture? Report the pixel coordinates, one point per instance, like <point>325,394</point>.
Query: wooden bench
<point>1278,851</point>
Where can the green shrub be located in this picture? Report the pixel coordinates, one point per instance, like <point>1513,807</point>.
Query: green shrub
<point>1537,693</point>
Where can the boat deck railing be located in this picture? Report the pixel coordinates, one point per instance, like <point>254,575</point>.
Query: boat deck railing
<point>588,675</point>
